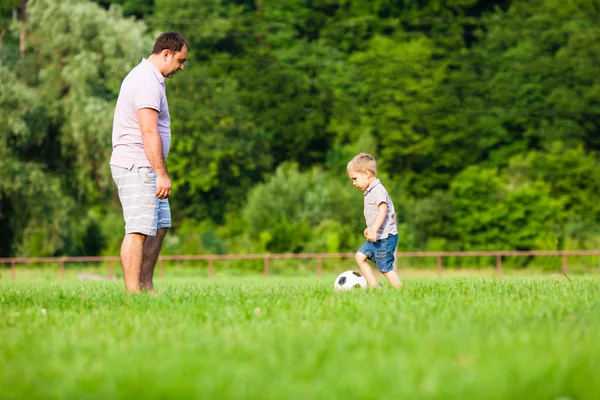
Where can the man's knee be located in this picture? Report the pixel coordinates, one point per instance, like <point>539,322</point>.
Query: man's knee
<point>161,232</point>
<point>135,237</point>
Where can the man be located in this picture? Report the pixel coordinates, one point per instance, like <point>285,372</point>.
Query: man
<point>141,139</point>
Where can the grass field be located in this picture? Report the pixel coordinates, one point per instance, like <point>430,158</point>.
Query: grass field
<point>285,338</point>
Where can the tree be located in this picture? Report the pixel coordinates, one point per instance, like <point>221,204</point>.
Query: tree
<point>535,61</point>
<point>285,211</point>
<point>491,214</point>
<point>60,111</point>
<point>573,177</point>
<point>33,211</point>
<point>137,8</point>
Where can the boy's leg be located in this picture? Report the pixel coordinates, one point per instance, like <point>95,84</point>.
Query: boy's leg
<point>393,278</point>
<point>365,268</point>
<point>385,260</point>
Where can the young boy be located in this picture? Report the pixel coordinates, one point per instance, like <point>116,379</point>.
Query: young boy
<point>381,232</point>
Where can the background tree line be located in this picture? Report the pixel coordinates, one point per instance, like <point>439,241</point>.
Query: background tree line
<point>484,117</point>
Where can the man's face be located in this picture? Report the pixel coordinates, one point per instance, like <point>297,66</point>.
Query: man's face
<point>174,61</point>
<point>360,180</point>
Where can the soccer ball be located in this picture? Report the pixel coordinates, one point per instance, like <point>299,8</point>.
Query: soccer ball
<point>349,280</point>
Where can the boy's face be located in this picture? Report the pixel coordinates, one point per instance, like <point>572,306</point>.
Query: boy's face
<point>360,180</point>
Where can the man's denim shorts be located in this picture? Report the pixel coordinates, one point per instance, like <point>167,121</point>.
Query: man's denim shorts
<point>381,252</point>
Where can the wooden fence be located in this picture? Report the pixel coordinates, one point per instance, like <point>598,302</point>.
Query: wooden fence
<point>212,258</point>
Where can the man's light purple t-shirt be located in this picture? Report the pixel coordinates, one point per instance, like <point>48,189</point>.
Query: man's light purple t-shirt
<point>374,196</point>
<point>143,87</point>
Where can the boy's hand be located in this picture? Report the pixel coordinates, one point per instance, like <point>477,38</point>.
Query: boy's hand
<point>366,232</point>
<point>371,236</point>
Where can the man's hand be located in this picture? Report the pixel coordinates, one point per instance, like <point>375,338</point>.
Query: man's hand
<point>163,186</point>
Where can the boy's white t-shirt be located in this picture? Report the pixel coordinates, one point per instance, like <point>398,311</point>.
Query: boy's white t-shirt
<point>374,196</point>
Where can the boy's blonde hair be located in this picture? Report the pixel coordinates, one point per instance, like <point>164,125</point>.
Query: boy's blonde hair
<point>363,162</point>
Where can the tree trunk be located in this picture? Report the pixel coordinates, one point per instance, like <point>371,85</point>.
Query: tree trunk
<point>22,18</point>
<point>259,6</point>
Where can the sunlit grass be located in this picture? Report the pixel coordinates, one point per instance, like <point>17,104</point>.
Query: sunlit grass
<point>484,338</point>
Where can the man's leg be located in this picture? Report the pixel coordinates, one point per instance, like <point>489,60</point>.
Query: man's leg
<point>132,253</point>
<point>151,252</point>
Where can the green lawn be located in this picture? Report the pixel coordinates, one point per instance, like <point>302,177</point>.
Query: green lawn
<point>285,338</point>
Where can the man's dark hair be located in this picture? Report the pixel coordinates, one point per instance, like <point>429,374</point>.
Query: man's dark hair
<point>169,41</point>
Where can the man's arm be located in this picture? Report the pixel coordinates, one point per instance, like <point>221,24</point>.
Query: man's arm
<point>381,213</point>
<point>148,119</point>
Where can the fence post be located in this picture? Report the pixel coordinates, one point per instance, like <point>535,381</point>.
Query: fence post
<point>210,268</point>
<point>13,269</point>
<point>564,264</point>
<point>161,269</point>
<point>319,267</point>
<point>266,266</point>
<point>62,269</point>
<point>499,265</point>
<point>439,266</point>
<point>111,269</point>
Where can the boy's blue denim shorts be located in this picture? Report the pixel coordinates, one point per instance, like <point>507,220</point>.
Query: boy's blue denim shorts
<point>381,252</point>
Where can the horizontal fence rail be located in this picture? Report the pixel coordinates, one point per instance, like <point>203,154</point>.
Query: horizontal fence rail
<point>211,258</point>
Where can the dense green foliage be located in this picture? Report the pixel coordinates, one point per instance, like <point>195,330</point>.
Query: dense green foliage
<point>483,116</point>
<point>516,338</point>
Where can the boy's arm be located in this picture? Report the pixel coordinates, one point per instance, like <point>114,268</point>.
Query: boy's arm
<point>381,213</point>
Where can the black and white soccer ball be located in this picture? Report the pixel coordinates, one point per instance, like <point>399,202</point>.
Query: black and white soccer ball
<point>349,280</point>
